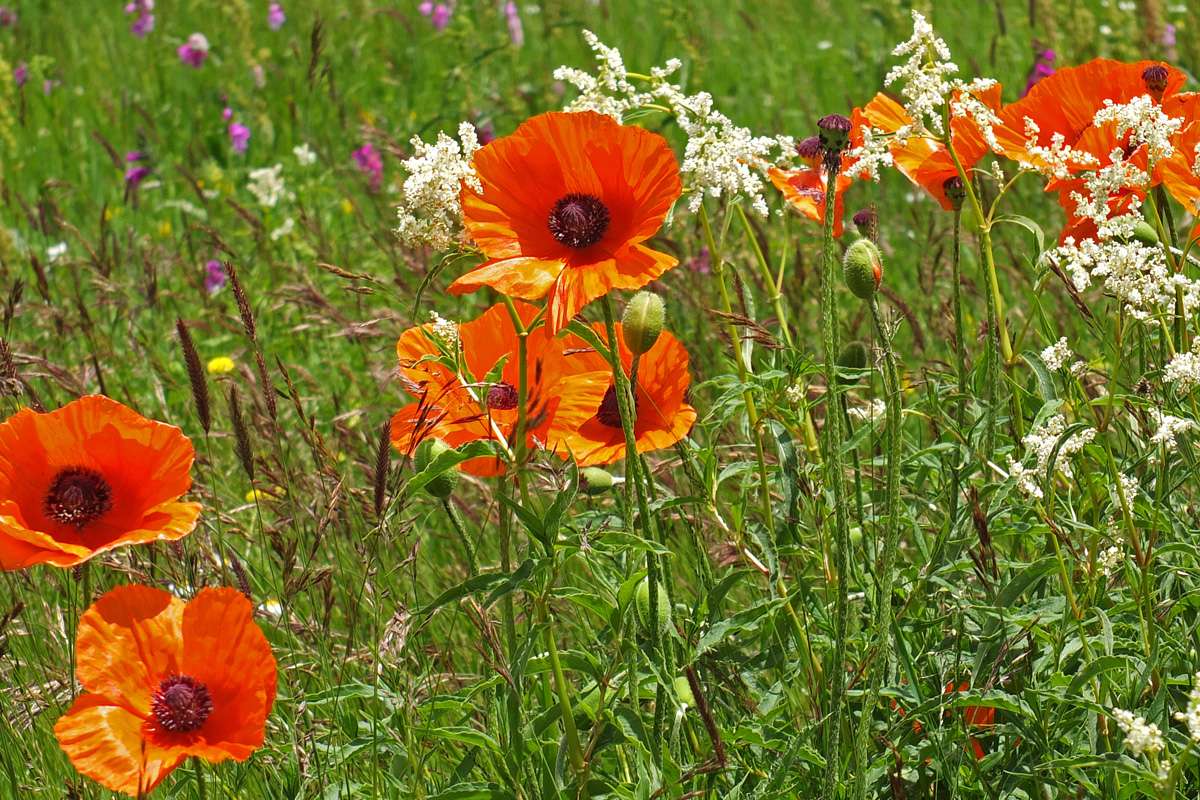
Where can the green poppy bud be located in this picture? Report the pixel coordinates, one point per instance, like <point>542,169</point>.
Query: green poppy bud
<point>683,690</point>
<point>593,480</point>
<point>643,322</point>
<point>1145,233</point>
<point>643,606</point>
<point>854,357</point>
<point>862,268</point>
<point>443,485</point>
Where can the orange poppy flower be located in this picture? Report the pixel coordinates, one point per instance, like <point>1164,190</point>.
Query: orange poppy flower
<point>804,190</point>
<point>663,415</point>
<point>1066,103</point>
<point>1178,171</point>
<point>165,680</point>
<point>568,202</point>
<point>89,477</point>
<point>1100,142</point>
<point>923,160</point>
<point>464,408</point>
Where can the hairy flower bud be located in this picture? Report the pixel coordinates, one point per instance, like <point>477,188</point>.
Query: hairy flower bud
<point>643,322</point>
<point>443,485</point>
<point>642,598</point>
<point>866,220</point>
<point>854,357</point>
<point>956,192</point>
<point>593,481</point>
<point>862,268</point>
<point>835,132</point>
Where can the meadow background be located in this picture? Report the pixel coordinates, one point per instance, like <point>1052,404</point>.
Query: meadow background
<point>389,686</point>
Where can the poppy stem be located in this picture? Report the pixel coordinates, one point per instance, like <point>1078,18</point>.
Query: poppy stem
<point>834,479</point>
<point>767,277</point>
<point>881,636</point>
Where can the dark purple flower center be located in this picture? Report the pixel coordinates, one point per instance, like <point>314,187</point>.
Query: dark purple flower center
<point>578,220</point>
<point>1155,78</point>
<point>77,496</point>
<point>609,412</point>
<point>181,704</point>
<point>502,397</point>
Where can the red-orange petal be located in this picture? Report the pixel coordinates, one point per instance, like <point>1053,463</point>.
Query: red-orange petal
<point>104,742</point>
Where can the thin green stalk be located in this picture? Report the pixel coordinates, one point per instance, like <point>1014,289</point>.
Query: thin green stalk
<point>834,479</point>
<point>960,341</point>
<point>768,278</point>
<point>574,750</point>
<point>468,546</point>
<point>881,635</point>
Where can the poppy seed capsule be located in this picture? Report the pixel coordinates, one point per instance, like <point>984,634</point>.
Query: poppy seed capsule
<point>642,322</point>
<point>1155,78</point>
<point>443,485</point>
<point>862,268</point>
<point>642,599</point>
<point>593,481</point>
<point>809,148</point>
<point>835,132</point>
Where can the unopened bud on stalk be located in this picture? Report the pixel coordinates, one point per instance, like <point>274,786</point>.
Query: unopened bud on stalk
<point>443,485</point>
<point>683,690</point>
<point>643,322</point>
<point>853,357</point>
<point>835,132</point>
<point>593,481</point>
<point>866,220</point>
<point>642,599</point>
<point>956,192</point>
<point>862,268</point>
<point>1144,232</point>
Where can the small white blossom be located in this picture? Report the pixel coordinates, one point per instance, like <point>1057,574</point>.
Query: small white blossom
<point>1191,717</point>
<point>55,252</point>
<point>266,184</point>
<point>1140,736</point>
<point>1183,370</point>
<point>1143,119</point>
<point>1168,428</point>
<point>874,153</point>
<point>925,75</point>
<point>1057,355</point>
<point>1040,443</point>
<point>872,412</point>
<point>283,230</point>
<point>1109,560</point>
<point>966,103</point>
<point>444,330</point>
<point>304,155</point>
<point>1056,159</point>
<point>795,393</point>
<point>430,213</point>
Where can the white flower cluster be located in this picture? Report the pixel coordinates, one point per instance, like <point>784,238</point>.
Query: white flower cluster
<point>874,153</point>
<point>1137,274</point>
<point>430,213</point>
<point>1191,717</point>
<point>304,154</point>
<point>966,103</point>
<point>720,157</point>
<point>1183,370</point>
<point>1057,355</point>
<point>1040,443</point>
<point>1144,121</point>
<point>1109,561</point>
<point>1169,427</point>
<point>873,412</point>
<point>286,229</point>
<point>925,75</point>
<point>1056,159</point>
<point>444,330</point>
<point>266,184</point>
<point>1140,736</point>
<point>609,91</point>
<point>795,393</point>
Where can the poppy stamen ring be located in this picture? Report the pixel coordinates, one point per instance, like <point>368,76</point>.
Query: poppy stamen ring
<point>77,496</point>
<point>181,704</point>
<point>578,220</point>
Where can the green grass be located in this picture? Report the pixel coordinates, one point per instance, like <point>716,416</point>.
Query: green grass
<point>393,662</point>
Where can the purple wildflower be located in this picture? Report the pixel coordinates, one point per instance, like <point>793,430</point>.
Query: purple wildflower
<point>1168,35</point>
<point>516,33</point>
<point>8,17</point>
<point>370,163</point>
<point>227,113</point>
<point>214,276</point>
<point>143,23</point>
<point>701,262</point>
<point>239,137</point>
<point>194,50</point>
<point>1043,68</point>
<point>49,85</point>
<point>441,16</point>
<point>275,16</point>
<point>20,73</point>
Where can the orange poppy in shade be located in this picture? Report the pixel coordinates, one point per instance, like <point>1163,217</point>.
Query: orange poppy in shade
<point>89,477</point>
<point>481,404</point>
<point>923,160</point>
<point>568,202</point>
<point>165,680</point>
<point>804,190</point>
<point>1065,103</point>
<point>663,415</point>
